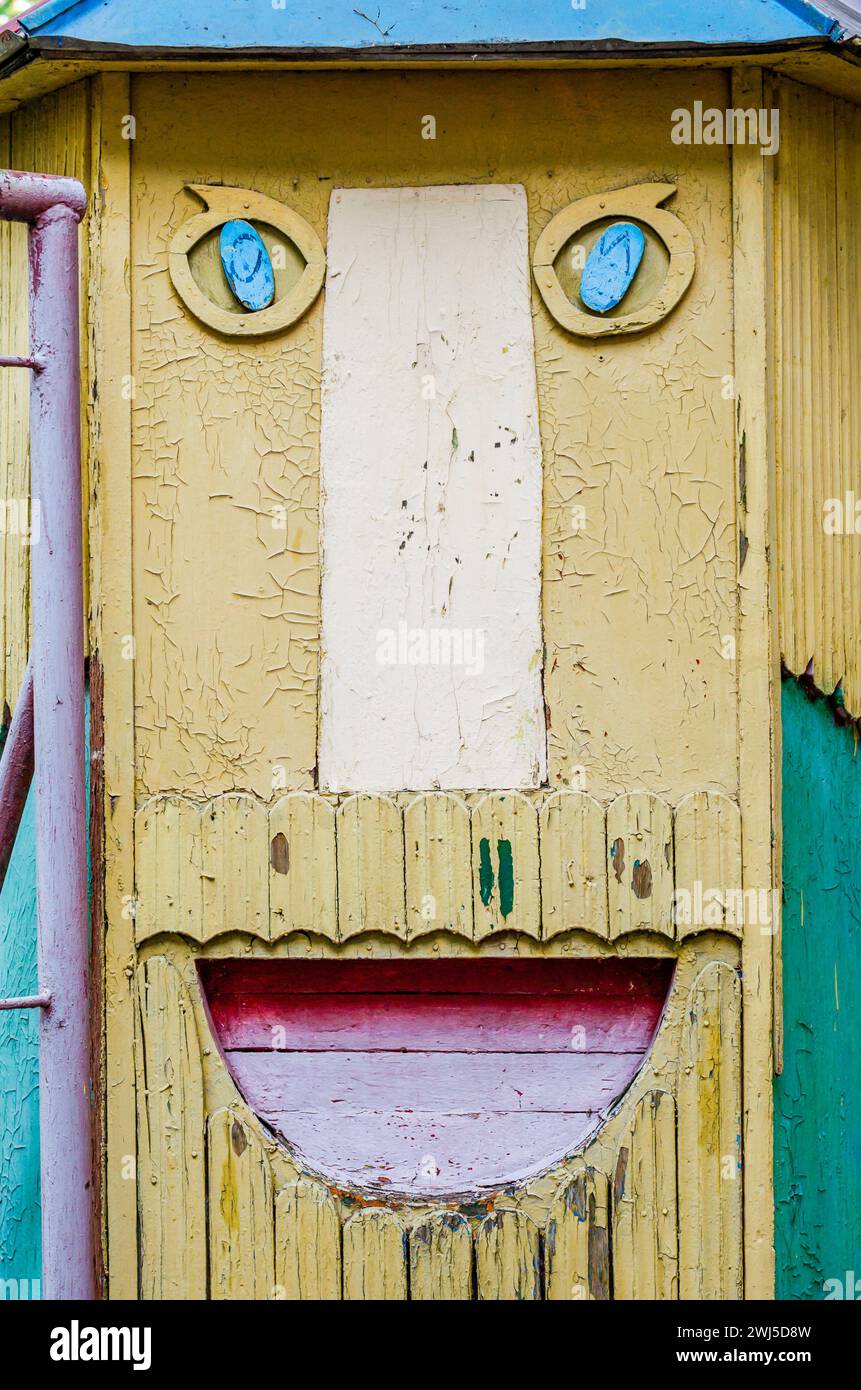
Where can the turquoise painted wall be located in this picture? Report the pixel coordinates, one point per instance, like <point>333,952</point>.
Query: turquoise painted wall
<point>20,1232</point>
<point>817,1167</point>
<point>20,1208</point>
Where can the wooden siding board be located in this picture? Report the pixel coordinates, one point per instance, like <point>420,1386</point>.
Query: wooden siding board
<point>171,1170</point>
<point>577,1239</point>
<point>241,1226</point>
<point>441,1258</point>
<point>711,1253</point>
<point>508,1257</point>
<point>307,1243</point>
<point>375,1256</point>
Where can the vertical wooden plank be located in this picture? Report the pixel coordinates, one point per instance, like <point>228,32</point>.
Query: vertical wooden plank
<point>640,864</point>
<point>573,865</point>
<point>431,637</point>
<point>810,466</point>
<point>307,1243</point>
<point>438,871</point>
<point>14,440</point>
<point>707,829</point>
<point>505,866</point>
<point>370,839</point>
<point>168,895</point>
<point>577,1239</point>
<point>375,1256</point>
<point>235,866</point>
<point>241,1235</point>
<point>759,674</point>
<point>508,1257</point>
<point>110,363</point>
<point>50,136</point>
<point>441,1258</point>
<point>711,1251</point>
<point>303,893</point>
<point>171,1171</point>
<point>645,1232</point>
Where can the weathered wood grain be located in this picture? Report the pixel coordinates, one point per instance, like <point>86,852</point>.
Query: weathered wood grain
<point>171,1171</point>
<point>302,866</point>
<point>234,866</point>
<point>169,896</point>
<point>431,502</point>
<point>577,1238</point>
<point>505,866</point>
<point>441,1258</point>
<point>375,1256</point>
<point>241,1234</point>
<point>640,865</point>
<point>708,865</point>
<point>307,1243</point>
<point>645,1208</point>
<point>508,1257</point>
<point>370,837</point>
<point>438,869</point>
<point>711,1255</point>
<point>573,865</point>
<point>433,1078</point>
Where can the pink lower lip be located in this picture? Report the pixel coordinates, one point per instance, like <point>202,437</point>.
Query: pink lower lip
<point>434,1078</point>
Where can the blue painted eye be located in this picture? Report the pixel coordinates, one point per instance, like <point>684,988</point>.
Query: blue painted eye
<point>611,266</point>
<point>247,265</point>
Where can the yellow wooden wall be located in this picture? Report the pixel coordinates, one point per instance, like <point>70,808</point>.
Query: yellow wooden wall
<point>818,413</point>
<point>638,431</point>
<point>51,136</point>
<point>657,682</point>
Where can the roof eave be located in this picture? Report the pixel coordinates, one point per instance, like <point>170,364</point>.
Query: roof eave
<point>83,50</point>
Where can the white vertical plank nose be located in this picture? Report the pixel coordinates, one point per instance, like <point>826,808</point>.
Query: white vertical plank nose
<point>431,494</point>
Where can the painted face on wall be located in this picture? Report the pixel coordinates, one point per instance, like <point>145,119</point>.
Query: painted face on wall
<point>435,592</point>
<point>405,1076</point>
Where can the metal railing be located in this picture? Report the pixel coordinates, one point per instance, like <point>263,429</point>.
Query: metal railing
<point>49,723</point>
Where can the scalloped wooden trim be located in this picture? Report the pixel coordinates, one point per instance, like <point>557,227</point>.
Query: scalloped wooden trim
<point>224,204</point>
<point>640,201</point>
<point>337,866</point>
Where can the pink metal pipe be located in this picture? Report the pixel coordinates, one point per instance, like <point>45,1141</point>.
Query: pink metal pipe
<point>16,771</point>
<point>53,207</point>
<point>24,197</point>
<point>26,1001</point>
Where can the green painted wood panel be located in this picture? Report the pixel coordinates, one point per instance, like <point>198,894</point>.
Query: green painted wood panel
<point>817,1165</point>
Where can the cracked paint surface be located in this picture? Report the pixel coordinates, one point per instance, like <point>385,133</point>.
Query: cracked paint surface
<point>431,494</point>
<point>636,600</point>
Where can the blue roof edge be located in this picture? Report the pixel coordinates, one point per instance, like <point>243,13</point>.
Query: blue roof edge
<point>818,20</point>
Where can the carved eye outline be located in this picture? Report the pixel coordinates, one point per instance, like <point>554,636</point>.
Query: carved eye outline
<point>639,202</point>
<point>244,204</point>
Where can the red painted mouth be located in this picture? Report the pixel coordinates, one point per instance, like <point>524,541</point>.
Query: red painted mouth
<point>434,1078</point>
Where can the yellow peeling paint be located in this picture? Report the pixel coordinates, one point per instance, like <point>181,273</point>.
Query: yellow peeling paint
<point>637,431</point>
<point>640,864</point>
<point>239,1183</point>
<point>709,1143</point>
<point>577,1240</point>
<point>307,1243</point>
<point>205,549</point>
<point>507,1257</point>
<point>645,1225</point>
<point>375,1256</point>
<point>818,420</point>
<point>171,1159</point>
<point>343,867</point>
<point>441,1258</point>
<point>51,136</point>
